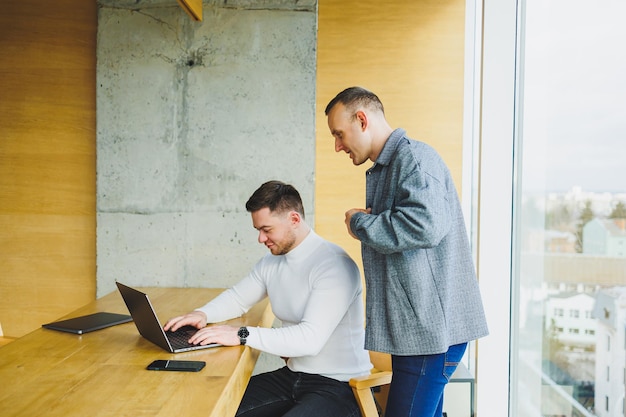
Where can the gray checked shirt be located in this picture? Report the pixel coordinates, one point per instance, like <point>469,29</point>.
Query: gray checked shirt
<point>422,291</point>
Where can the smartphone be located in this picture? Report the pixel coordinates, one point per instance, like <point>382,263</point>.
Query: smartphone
<point>185,366</point>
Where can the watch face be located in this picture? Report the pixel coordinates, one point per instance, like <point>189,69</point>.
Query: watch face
<point>243,332</point>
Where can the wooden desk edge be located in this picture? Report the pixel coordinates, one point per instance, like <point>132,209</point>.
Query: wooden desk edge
<point>228,404</point>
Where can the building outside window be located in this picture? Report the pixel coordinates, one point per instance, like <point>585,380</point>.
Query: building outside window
<point>567,116</point>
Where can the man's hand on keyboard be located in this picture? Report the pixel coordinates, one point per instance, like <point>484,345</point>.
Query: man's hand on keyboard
<point>196,319</point>
<point>223,335</point>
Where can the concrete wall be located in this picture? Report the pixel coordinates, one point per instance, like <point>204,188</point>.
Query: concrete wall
<point>191,118</point>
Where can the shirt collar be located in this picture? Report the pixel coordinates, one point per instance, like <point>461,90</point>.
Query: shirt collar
<point>389,148</point>
<point>304,249</point>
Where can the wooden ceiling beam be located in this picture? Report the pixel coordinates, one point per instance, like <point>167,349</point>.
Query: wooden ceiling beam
<point>193,8</point>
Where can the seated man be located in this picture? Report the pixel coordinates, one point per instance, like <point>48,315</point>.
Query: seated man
<point>314,288</point>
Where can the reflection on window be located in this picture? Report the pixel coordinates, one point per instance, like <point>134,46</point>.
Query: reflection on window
<point>570,239</point>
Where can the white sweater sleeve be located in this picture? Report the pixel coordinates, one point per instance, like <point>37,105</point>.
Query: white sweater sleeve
<point>236,300</point>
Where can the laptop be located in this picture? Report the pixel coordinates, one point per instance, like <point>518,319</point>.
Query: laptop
<point>88,323</point>
<point>150,328</point>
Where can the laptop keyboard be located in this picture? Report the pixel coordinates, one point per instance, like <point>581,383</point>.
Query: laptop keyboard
<point>180,338</point>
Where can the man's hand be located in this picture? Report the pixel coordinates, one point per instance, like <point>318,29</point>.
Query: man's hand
<point>349,215</point>
<point>196,319</point>
<point>223,335</point>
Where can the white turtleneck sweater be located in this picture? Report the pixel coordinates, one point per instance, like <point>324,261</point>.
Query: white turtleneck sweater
<point>315,290</point>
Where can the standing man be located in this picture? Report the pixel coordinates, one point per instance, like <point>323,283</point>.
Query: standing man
<point>423,301</point>
<point>314,288</point>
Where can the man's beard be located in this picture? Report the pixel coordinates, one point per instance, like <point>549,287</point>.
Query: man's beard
<point>286,245</point>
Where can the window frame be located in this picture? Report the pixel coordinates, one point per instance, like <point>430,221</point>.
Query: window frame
<point>489,172</point>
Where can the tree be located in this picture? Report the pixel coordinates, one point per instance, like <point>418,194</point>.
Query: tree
<point>559,218</point>
<point>619,211</point>
<point>552,348</point>
<point>586,215</point>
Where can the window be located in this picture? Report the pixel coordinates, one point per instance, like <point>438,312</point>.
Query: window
<point>546,198</point>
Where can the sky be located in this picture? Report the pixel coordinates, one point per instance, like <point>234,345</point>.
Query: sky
<point>574,95</point>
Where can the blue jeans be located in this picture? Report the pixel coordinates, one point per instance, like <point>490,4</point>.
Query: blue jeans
<point>418,382</point>
<point>295,394</point>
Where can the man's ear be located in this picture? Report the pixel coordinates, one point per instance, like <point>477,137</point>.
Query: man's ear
<point>295,217</point>
<point>362,118</point>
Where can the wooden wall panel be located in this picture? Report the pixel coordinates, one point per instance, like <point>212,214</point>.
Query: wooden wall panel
<point>411,54</point>
<point>47,160</point>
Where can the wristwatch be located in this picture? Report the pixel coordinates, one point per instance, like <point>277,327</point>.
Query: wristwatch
<point>243,333</point>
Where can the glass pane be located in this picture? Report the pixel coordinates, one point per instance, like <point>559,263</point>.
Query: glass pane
<point>570,217</point>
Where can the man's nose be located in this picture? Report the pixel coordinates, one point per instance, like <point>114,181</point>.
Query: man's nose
<point>338,145</point>
<point>262,237</point>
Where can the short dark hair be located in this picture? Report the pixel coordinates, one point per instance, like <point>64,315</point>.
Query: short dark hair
<point>354,97</point>
<point>277,196</point>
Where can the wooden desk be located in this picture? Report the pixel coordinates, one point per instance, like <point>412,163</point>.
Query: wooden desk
<point>51,373</point>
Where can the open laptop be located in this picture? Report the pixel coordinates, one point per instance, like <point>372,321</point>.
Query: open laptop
<point>149,327</point>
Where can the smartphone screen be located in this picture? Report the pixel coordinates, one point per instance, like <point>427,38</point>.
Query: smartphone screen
<point>185,366</point>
